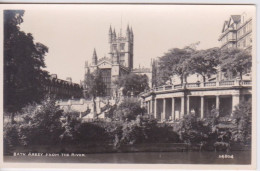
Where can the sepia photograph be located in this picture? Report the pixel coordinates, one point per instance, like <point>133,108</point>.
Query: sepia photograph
<point>129,84</point>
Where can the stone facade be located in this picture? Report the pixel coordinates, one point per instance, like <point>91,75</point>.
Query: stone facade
<point>172,102</point>
<point>63,89</point>
<point>237,32</point>
<point>119,62</point>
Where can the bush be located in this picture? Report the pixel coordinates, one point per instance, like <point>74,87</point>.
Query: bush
<point>70,124</point>
<point>128,110</point>
<point>192,130</point>
<point>143,130</point>
<point>11,138</point>
<point>41,121</point>
<point>242,119</point>
<point>91,133</point>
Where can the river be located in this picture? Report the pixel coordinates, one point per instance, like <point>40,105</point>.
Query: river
<point>205,157</point>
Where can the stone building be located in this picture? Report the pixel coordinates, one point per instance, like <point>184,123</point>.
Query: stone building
<point>119,61</point>
<point>237,32</point>
<point>63,89</point>
<point>171,102</point>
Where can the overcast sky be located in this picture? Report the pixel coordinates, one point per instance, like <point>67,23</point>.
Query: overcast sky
<point>72,31</point>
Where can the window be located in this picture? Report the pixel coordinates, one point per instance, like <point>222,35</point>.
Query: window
<point>122,46</point>
<point>114,47</point>
<point>244,43</point>
<point>244,30</point>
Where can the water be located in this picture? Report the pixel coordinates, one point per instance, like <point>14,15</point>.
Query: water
<point>240,157</point>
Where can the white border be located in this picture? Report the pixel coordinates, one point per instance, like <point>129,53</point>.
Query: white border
<point>256,2</point>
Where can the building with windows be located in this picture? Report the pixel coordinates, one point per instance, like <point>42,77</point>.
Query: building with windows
<point>119,61</point>
<point>63,89</point>
<point>237,32</point>
<point>171,102</point>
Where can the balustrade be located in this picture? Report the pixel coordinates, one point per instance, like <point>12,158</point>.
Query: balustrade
<point>201,85</point>
<point>226,83</point>
<point>209,84</point>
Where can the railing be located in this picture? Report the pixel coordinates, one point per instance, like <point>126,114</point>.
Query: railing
<point>201,85</point>
<point>246,82</point>
<point>193,85</point>
<point>177,86</point>
<point>209,84</point>
<point>168,87</point>
<point>226,83</point>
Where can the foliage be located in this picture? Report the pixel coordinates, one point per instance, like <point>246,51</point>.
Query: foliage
<point>128,110</point>
<point>192,130</point>
<point>236,61</point>
<point>70,125</point>
<point>143,130</point>
<point>242,119</point>
<point>41,121</point>
<point>91,133</point>
<point>95,86</point>
<point>10,137</point>
<point>204,62</point>
<point>133,83</point>
<point>23,63</point>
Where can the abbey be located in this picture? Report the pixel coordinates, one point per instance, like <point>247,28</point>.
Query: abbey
<point>118,63</point>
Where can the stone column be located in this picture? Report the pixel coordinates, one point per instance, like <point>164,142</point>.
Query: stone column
<point>235,101</point>
<point>182,106</point>
<point>188,104</point>
<point>163,117</point>
<point>217,102</point>
<point>202,106</point>
<point>155,108</point>
<point>173,109</point>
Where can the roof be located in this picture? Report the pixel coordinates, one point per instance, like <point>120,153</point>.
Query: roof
<point>236,18</point>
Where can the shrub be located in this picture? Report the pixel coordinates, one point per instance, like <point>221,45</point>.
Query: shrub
<point>242,119</point>
<point>128,110</point>
<point>41,121</point>
<point>192,130</point>
<point>10,136</point>
<point>91,133</point>
<point>70,124</point>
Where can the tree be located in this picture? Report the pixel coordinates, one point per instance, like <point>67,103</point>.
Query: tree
<point>133,83</point>
<point>242,119</point>
<point>204,62</point>
<point>236,61</point>
<point>175,62</point>
<point>23,64</point>
<point>128,110</point>
<point>95,86</point>
<point>41,123</point>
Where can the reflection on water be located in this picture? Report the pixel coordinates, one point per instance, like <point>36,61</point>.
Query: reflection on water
<point>240,157</point>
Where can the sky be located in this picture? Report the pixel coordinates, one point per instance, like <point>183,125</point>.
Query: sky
<point>71,32</point>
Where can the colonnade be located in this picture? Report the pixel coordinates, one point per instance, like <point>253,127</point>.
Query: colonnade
<point>178,110</point>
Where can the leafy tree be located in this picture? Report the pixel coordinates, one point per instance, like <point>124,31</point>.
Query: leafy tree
<point>236,61</point>
<point>95,87</point>
<point>41,121</point>
<point>133,83</point>
<point>204,62</point>
<point>23,63</point>
<point>129,109</point>
<point>175,62</point>
<point>192,130</point>
<point>242,119</point>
